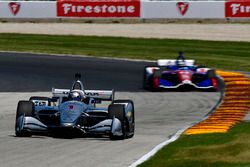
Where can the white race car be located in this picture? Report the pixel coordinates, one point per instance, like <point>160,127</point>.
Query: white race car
<point>74,112</point>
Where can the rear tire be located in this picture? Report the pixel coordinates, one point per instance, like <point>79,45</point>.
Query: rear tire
<point>24,108</point>
<point>211,73</point>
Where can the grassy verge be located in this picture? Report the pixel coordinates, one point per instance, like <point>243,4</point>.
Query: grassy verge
<point>224,55</point>
<point>221,150</point>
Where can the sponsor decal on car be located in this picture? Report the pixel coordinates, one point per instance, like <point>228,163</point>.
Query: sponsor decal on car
<point>71,107</point>
<point>92,94</point>
<point>129,114</point>
<point>100,8</point>
<point>14,7</point>
<point>182,7</point>
<point>237,9</point>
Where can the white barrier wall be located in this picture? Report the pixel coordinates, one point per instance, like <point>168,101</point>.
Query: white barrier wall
<point>185,9</point>
<point>24,9</point>
<point>125,9</point>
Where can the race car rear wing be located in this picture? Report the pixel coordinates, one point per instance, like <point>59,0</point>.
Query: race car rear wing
<point>172,62</point>
<point>104,95</point>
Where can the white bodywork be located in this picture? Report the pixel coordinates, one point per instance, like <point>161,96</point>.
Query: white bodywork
<point>172,62</point>
<point>99,94</point>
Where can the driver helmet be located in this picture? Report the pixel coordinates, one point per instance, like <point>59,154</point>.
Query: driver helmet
<point>77,95</point>
<point>181,63</point>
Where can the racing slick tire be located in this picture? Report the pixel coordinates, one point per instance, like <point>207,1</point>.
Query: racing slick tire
<point>156,80</point>
<point>130,119</point>
<point>117,110</point>
<point>211,73</point>
<point>25,108</point>
<point>151,82</point>
<point>147,80</point>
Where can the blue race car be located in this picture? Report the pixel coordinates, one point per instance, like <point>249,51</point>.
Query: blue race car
<point>74,112</point>
<point>179,73</point>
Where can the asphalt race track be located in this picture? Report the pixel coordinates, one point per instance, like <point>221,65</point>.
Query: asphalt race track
<point>27,72</point>
<point>158,115</point>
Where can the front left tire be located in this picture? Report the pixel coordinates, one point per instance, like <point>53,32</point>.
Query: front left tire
<point>24,108</point>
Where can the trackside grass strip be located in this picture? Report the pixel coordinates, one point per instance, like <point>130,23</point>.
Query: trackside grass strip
<point>223,55</point>
<point>232,110</point>
<point>230,149</point>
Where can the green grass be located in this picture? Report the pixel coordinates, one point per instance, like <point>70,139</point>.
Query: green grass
<point>209,150</point>
<point>223,55</point>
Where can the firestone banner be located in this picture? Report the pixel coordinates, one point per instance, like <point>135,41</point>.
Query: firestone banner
<point>100,8</point>
<point>236,9</point>
<point>125,9</point>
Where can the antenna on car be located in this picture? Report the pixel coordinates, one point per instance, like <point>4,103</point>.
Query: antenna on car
<point>77,76</point>
<point>181,56</point>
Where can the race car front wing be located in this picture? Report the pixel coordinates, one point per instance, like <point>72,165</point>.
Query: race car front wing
<point>34,126</point>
